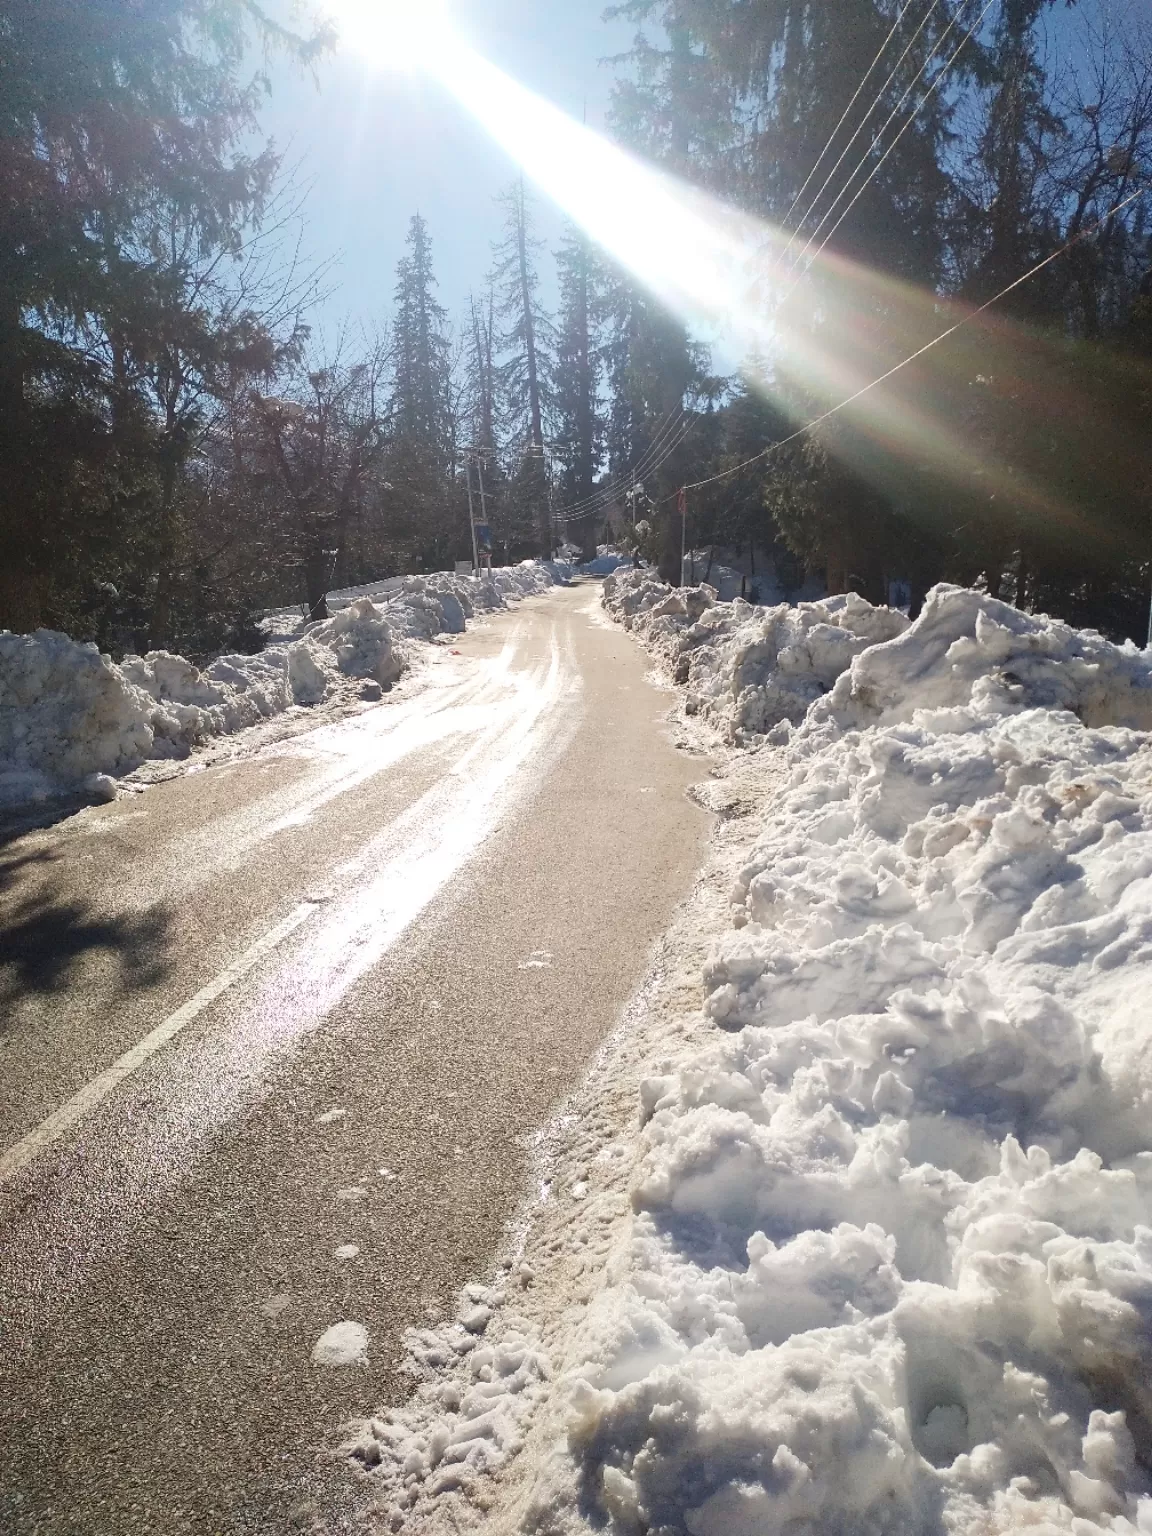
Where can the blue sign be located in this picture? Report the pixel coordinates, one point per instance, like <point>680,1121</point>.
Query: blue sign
<point>484,538</point>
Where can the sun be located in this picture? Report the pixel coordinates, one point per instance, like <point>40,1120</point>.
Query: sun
<point>391,34</point>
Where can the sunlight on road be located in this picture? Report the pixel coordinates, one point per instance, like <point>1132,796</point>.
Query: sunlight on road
<point>520,717</point>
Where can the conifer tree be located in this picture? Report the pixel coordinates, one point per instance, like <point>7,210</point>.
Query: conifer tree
<point>656,375</point>
<point>482,379</point>
<point>420,387</point>
<point>110,114</point>
<point>527,366</point>
<point>483,465</point>
<point>743,98</point>
<point>580,426</point>
<point>421,460</point>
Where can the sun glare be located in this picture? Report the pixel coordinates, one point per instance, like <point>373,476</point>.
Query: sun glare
<point>722,271</point>
<point>391,34</point>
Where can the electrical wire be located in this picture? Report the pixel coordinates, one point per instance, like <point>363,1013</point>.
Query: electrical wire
<point>876,168</point>
<point>920,105</point>
<point>668,424</point>
<point>670,448</point>
<point>595,499</point>
<point>807,214</point>
<point>604,494</point>
<point>772,448</point>
<point>612,494</point>
<point>651,462</point>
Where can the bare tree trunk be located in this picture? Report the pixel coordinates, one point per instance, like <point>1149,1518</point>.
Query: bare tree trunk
<point>536,418</point>
<point>586,406</point>
<point>160,618</point>
<point>316,570</point>
<point>21,589</point>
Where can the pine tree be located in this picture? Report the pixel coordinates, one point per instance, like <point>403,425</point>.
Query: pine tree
<point>527,369</point>
<point>420,414</point>
<point>110,114</point>
<point>1008,228</point>
<point>482,380</point>
<point>655,376</point>
<point>422,451</point>
<point>743,98</point>
<point>483,464</point>
<point>580,426</point>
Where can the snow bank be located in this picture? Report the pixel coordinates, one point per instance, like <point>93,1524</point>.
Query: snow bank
<point>606,562</point>
<point>890,1260</point>
<point>68,713</point>
<point>467,1415</point>
<point>969,649</point>
<point>748,669</point>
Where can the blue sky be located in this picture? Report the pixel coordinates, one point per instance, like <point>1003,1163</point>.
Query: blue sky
<point>377,148</point>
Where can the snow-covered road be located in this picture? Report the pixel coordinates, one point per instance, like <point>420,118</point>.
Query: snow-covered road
<point>276,1034</point>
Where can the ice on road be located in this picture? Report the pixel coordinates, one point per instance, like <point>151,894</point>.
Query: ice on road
<point>170,1260</point>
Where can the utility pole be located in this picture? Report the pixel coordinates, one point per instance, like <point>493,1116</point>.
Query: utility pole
<point>472,516</point>
<point>682,501</point>
<point>483,505</point>
<point>553,538</point>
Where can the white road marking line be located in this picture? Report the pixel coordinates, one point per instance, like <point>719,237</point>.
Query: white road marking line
<point>21,1153</point>
<point>437,835</point>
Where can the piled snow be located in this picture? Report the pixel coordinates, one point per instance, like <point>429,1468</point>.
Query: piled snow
<point>466,1417</point>
<point>967,649</point>
<point>725,581</point>
<point>747,668</point>
<point>67,713</point>
<point>606,562</point>
<point>360,638</point>
<point>890,1264</point>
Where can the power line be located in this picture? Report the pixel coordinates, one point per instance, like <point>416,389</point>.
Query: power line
<point>764,453</point>
<point>860,126</point>
<point>668,425</point>
<point>606,493</point>
<point>648,465</point>
<point>652,459</point>
<point>670,448</point>
<point>904,129</point>
<point>595,498</point>
<point>920,105</point>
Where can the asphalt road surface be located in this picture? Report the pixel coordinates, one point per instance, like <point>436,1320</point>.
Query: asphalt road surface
<point>318,997</point>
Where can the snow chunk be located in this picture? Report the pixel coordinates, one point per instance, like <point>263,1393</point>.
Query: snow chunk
<point>344,1343</point>
<point>748,669</point>
<point>100,786</point>
<point>969,651</point>
<point>361,639</point>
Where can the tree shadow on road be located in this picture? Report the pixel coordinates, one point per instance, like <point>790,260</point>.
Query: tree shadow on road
<point>46,932</point>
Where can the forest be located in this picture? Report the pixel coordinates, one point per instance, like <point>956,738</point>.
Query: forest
<point>182,446</point>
